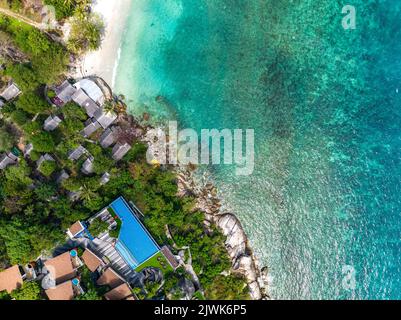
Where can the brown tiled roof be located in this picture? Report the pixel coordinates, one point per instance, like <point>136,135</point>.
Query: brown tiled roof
<point>10,279</point>
<point>61,292</point>
<point>61,267</point>
<point>110,278</point>
<point>76,228</point>
<point>91,260</point>
<point>121,292</point>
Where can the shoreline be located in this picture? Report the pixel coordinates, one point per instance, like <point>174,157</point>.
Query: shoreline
<point>243,259</point>
<point>104,61</point>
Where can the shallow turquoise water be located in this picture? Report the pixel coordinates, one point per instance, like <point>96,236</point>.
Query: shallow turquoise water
<point>325,107</point>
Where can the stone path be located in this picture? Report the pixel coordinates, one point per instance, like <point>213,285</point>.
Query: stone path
<point>41,26</point>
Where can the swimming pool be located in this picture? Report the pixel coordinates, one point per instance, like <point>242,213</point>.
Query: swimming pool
<point>135,244</point>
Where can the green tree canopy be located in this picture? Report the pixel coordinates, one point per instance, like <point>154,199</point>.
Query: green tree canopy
<point>97,227</point>
<point>23,75</point>
<point>86,34</point>
<point>47,168</point>
<point>231,287</point>
<point>64,8</point>
<point>30,102</point>
<point>28,291</point>
<point>7,140</point>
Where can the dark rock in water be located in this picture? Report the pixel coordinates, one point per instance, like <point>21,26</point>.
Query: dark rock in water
<point>160,99</point>
<point>146,116</point>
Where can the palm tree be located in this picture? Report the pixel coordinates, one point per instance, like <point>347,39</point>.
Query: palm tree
<point>108,106</point>
<point>81,7</point>
<point>86,193</point>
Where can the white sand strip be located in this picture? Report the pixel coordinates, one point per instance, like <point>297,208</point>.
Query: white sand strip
<point>104,61</point>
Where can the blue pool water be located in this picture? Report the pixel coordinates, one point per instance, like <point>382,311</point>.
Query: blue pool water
<point>135,244</point>
<point>127,256</point>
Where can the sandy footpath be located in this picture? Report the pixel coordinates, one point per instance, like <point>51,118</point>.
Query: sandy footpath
<point>104,61</point>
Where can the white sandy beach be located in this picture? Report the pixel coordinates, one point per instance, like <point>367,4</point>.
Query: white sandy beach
<point>104,61</point>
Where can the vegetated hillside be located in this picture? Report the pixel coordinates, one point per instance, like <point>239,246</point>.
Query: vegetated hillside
<point>35,211</point>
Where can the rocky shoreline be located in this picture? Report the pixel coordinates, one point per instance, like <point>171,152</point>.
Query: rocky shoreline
<point>243,259</point>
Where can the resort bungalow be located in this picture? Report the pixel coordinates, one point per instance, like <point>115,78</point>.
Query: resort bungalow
<point>122,292</point>
<point>63,291</point>
<point>120,150</point>
<point>74,195</point>
<point>75,230</point>
<point>61,268</point>
<point>8,159</point>
<point>110,278</point>
<point>28,149</point>
<point>109,137</point>
<point>85,93</point>
<point>10,279</point>
<point>170,257</point>
<point>62,176</point>
<point>89,96</point>
<point>77,153</point>
<point>51,123</point>
<point>105,119</point>
<point>92,90</point>
<point>11,92</point>
<point>82,99</point>
<point>64,93</point>
<point>92,261</point>
<point>91,126</point>
<point>105,178</point>
<point>87,166</point>
<point>60,282</point>
<point>120,289</point>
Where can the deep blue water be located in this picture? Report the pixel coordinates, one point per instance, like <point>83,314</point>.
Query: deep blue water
<point>326,110</point>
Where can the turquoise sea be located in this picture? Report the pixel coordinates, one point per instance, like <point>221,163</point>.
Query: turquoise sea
<point>325,104</point>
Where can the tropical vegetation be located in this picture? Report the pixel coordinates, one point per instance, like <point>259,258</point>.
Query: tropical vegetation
<point>35,211</point>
